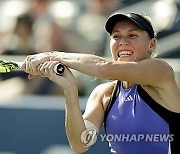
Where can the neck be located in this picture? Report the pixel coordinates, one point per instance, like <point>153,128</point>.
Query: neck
<point>127,85</point>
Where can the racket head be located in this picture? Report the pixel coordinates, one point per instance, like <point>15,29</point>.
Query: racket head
<point>7,66</point>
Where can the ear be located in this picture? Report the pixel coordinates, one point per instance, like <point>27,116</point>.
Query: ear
<point>152,46</point>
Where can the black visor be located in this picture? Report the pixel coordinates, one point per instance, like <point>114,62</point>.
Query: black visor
<point>137,19</point>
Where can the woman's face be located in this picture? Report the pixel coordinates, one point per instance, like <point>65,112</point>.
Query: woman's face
<point>129,42</point>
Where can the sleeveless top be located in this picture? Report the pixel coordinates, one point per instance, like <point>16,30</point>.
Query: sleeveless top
<point>136,124</point>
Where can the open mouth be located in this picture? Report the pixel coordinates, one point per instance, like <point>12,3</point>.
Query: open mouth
<point>124,53</point>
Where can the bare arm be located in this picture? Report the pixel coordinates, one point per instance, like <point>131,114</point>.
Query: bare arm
<point>94,112</point>
<point>97,103</point>
<point>86,63</point>
<point>154,73</point>
<point>146,72</point>
<point>74,122</point>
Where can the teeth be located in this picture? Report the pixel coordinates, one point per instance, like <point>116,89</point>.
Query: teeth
<point>124,53</point>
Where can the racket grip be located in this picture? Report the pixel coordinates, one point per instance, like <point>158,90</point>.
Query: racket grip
<point>59,69</point>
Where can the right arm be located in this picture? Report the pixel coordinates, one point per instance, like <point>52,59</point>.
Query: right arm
<point>74,121</point>
<point>94,113</point>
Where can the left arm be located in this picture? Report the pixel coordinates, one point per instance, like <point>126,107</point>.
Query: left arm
<point>150,71</point>
<point>154,73</point>
<point>146,72</point>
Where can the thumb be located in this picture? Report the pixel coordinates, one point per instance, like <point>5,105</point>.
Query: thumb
<point>30,76</point>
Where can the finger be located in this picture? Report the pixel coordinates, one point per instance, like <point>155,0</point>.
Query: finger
<point>52,64</point>
<point>38,69</point>
<point>36,61</point>
<point>60,60</point>
<point>23,66</point>
<point>44,69</point>
<point>28,64</point>
<point>30,76</point>
<point>51,68</point>
<point>33,66</point>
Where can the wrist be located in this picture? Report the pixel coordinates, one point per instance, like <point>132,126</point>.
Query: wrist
<point>71,89</point>
<point>55,53</point>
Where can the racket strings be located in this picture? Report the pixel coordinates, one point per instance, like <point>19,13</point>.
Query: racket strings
<point>6,66</point>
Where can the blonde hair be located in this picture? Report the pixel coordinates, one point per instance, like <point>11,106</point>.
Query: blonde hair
<point>155,51</point>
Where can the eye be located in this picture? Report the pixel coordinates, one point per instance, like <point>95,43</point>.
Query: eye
<point>133,35</point>
<point>116,37</point>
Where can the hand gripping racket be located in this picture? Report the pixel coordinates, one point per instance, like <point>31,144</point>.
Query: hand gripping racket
<point>8,66</point>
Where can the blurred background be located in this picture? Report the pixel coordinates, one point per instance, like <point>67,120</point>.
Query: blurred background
<point>32,111</point>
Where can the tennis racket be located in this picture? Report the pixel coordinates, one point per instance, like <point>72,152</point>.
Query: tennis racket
<point>8,66</point>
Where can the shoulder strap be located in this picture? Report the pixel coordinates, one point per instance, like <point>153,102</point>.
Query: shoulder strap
<point>160,110</point>
<point>170,117</point>
<point>111,101</point>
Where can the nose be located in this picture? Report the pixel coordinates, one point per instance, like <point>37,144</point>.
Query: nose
<point>123,41</point>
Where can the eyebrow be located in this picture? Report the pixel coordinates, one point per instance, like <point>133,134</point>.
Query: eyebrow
<point>116,31</point>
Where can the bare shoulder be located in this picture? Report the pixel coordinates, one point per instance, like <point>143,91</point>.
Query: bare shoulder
<point>166,71</point>
<point>104,92</point>
<point>105,88</point>
<point>97,101</point>
<point>158,63</point>
<point>167,93</point>
<point>155,72</point>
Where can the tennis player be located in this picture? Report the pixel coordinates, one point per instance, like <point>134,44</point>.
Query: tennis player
<point>143,112</point>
